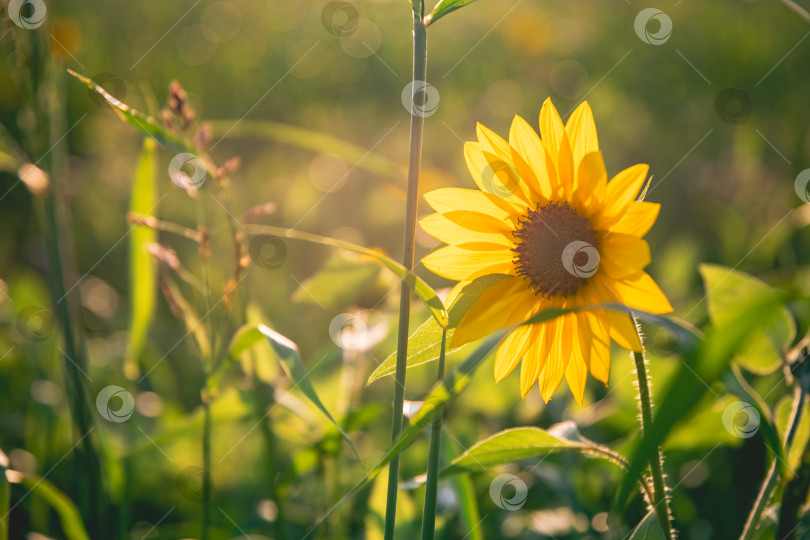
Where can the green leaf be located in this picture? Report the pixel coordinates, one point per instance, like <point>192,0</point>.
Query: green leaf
<point>648,529</point>
<point>145,124</point>
<point>64,507</point>
<point>737,385</point>
<point>521,443</point>
<point>287,352</point>
<point>444,7</point>
<point>730,292</point>
<point>311,140</point>
<point>142,276</point>
<point>425,343</point>
<point>703,366</point>
<point>703,429</point>
<point>802,436</point>
<point>340,282</point>
<point>419,287</point>
<point>510,445</point>
<point>439,396</point>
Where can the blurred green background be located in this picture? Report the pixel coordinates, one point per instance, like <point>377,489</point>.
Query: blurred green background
<point>719,111</point>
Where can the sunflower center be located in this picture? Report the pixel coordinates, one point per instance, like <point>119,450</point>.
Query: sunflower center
<point>555,249</point>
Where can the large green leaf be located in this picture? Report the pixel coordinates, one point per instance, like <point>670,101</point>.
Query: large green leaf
<point>425,343</point>
<point>68,514</point>
<point>439,396</point>
<point>287,352</point>
<point>737,385</point>
<point>142,277</point>
<point>419,287</point>
<point>521,443</point>
<point>145,124</point>
<point>730,292</point>
<point>648,529</point>
<point>702,367</point>
<point>446,6</point>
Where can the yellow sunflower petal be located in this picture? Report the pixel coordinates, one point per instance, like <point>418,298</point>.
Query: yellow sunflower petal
<point>529,157</point>
<point>451,232</point>
<point>623,331</point>
<point>637,219</point>
<point>533,361</point>
<point>623,189</point>
<point>492,142</point>
<point>599,340</point>
<point>489,312</point>
<point>476,221</point>
<point>623,255</point>
<point>456,262</point>
<point>581,131</point>
<point>454,292</point>
<point>494,175</point>
<point>576,373</point>
<point>558,357</point>
<point>527,306</point>
<point>591,183</point>
<point>638,291</point>
<point>446,200</point>
<point>583,336</point>
<point>557,145</point>
<point>512,350</point>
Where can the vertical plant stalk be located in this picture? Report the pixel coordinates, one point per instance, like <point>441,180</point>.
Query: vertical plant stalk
<point>264,399</point>
<point>206,479</point>
<point>414,164</point>
<point>766,490</point>
<point>87,470</point>
<point>661,501</point>
<point>432,485</point>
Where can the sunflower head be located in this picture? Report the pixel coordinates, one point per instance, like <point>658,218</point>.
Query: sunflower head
<point>546,218</point>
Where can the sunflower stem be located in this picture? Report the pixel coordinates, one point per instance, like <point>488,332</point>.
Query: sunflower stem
<point>432,485</point>
<point>206,479</point>
<point>414,163</point>
<point>661,501</point>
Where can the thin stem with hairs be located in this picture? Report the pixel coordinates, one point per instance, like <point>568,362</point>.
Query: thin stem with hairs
<point>661,498</point>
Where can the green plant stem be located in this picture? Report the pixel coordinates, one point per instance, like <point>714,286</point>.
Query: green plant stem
<point>87,472</point>
<point>661,502</point>
<point>264,400</point>
<point>766,490</point>
<point>431,488</point>
<point>414,164</point>
<point>206,480</point>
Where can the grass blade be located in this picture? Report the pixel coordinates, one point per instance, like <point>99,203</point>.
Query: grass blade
<point>142,277</point>
<point>419,287</point>
<point>140,121</point>
<point>287,352</point>
<point>68,514</point>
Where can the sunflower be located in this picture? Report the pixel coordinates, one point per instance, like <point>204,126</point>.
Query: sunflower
<point>546,218</point>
